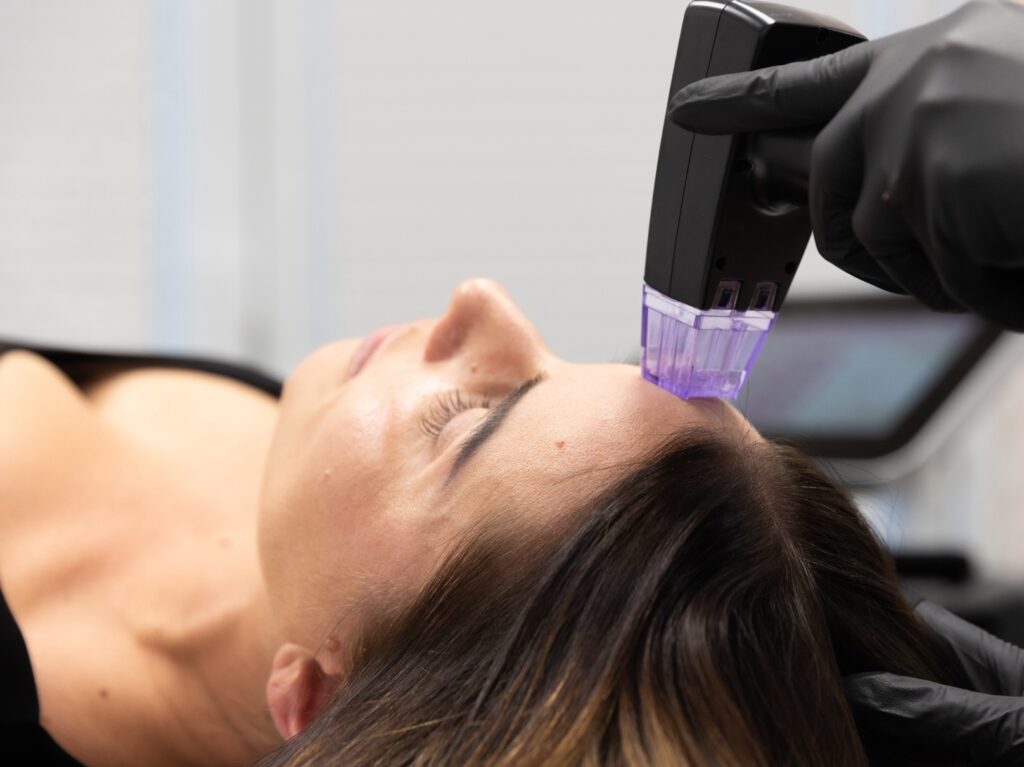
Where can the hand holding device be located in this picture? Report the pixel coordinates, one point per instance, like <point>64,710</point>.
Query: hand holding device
<point>917,181</point>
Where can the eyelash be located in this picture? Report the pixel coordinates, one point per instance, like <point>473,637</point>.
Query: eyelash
<point>445,407</point>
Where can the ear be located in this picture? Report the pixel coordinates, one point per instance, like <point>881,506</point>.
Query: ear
<point>297,689</point>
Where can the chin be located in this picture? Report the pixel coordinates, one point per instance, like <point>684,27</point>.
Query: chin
<point>322,371</point>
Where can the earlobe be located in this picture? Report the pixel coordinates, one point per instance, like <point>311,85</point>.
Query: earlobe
<point>297,689</point>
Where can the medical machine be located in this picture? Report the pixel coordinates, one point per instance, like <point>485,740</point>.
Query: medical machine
<point>729,220</point>
<point>870,379</point>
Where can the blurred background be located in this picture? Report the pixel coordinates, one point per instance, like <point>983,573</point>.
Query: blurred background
<point>252,178</point>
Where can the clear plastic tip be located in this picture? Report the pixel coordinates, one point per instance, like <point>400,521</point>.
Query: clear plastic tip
<point>699,352</point>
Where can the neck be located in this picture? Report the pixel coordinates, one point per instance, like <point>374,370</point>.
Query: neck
<point>209,699</point>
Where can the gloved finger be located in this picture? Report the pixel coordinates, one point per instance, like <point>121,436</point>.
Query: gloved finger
<point>880,225</point>
<point>991,665</point>
<point>990,292</point>
<point>786,96</point>
<point>834,188</point>
<point>932,718</point>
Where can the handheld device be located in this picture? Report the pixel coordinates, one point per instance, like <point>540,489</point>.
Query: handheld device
<point>729,220</point>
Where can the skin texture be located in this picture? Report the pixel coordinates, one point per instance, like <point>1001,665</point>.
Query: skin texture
<point>354,496</point>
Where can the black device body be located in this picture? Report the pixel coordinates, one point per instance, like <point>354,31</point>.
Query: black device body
<point>729,217</point>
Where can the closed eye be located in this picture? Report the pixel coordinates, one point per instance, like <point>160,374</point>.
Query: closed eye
<point>445,407</point>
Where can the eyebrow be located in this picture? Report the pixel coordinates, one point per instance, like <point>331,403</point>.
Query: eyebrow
<point>490,424</point>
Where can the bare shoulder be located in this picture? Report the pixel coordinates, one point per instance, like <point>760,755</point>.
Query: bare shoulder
<point>95,685</point>
<point>200,422</point>
<point>43,416</point>
<point>197,420</point>
<point>25,376</point>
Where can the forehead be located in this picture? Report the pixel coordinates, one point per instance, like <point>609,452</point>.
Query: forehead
<point>575,432</point>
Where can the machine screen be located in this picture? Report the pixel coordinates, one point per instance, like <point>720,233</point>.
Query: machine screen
<point>856,379</point>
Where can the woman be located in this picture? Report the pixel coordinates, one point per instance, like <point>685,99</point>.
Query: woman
<point>442,545</point>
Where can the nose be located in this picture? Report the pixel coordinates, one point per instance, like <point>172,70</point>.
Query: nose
<point>483,326</point>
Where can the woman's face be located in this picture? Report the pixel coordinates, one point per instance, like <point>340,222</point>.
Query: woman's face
<point>359,493</point>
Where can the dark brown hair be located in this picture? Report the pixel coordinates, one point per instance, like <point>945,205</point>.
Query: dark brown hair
<point>702,611</point>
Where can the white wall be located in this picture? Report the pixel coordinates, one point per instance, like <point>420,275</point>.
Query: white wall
<point>76,171</point>
<point>255,177</point>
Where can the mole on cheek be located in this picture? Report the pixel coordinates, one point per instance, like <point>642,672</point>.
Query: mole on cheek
<point>560,443</point>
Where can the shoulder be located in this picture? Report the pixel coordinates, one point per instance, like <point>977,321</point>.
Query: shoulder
<point>88,682</point>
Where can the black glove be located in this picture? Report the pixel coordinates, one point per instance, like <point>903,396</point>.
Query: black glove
<point>980,726</point>
<point>917,180</point>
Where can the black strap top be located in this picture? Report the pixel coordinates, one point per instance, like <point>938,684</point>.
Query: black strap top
<point>80,366</point>
<point>22,739</point>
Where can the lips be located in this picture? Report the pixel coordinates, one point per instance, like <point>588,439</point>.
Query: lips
<point>369,345</point>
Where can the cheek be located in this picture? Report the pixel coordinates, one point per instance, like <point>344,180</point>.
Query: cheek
<point>332,464</point>
<point>331,511</point>
<point>371,525</point>
<point>345,486</point>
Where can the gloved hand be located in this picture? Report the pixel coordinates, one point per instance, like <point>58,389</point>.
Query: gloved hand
<point>980,726</point>
<point>917,180</point>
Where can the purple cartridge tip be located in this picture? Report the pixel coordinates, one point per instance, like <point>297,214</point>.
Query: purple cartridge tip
<point>699,352</point>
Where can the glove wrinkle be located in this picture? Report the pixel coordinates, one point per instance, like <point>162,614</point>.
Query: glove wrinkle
<point>991,664</point>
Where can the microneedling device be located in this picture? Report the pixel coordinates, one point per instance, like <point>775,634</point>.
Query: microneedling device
<point>729,220</point>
